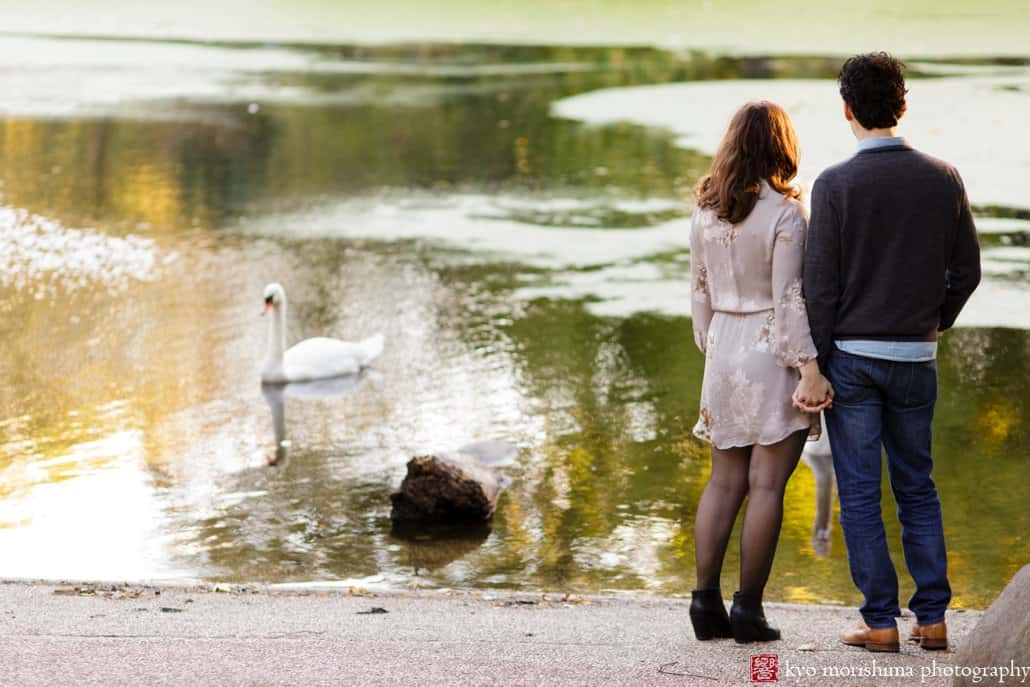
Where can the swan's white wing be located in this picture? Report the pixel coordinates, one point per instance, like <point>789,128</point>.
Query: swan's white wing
<point>321,357</point>
<point>371,348</point>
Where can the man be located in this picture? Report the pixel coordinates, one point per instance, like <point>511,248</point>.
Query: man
<point>892,257</point>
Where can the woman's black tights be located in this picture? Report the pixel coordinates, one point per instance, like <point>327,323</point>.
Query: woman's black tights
<point>760,473</point>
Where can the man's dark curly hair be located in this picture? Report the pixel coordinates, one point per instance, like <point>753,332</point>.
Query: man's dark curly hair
<point>873,86</point>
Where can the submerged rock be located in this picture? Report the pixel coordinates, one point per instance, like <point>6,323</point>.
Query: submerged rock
<point>430,546</point>
<point>446,488</point>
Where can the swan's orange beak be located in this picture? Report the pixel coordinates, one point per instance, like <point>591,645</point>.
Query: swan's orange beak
<point>268,306</point>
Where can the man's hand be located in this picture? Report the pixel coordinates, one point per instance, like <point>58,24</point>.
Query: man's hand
<point>814,392</point>
<point>814,407</point>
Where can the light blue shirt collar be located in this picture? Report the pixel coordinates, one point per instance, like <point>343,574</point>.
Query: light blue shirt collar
<point>873,143</point>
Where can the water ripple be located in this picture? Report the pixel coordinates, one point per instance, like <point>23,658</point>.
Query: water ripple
<point>41,256</point>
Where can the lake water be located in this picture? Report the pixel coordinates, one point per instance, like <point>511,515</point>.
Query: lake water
<point>513,219</point>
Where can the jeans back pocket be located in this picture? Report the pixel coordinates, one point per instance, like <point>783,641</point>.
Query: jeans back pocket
<point>850,377</point>
<point>922,384</point>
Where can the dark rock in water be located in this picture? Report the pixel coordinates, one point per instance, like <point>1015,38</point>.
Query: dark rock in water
<point>1002,636</point>
<point>446,487</point>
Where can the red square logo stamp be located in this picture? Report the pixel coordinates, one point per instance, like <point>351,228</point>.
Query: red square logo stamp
<point>765,668</point>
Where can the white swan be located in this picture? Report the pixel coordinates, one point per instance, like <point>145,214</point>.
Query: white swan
<point>317,358</point>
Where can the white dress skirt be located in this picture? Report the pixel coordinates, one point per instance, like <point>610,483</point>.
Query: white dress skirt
<point>750,321</point>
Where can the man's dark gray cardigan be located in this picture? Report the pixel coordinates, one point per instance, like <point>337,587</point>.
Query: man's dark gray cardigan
<point>892,251</point>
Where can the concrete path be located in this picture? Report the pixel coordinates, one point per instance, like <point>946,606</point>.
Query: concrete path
<point>81,635</point>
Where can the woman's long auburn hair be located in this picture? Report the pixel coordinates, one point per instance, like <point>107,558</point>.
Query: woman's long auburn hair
<point>760,145</point>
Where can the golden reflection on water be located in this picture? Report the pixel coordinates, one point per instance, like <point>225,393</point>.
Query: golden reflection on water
<point>134,436</point>
<point>89,503</point>
<point>136,445</point>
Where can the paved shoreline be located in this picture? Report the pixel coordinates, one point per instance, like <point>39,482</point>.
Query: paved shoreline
<point>127,634</point>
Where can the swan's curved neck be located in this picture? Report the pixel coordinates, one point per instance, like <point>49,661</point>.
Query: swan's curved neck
<point>276,336</point>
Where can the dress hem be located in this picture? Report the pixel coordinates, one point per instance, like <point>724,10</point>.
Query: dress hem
<point>761,441</point>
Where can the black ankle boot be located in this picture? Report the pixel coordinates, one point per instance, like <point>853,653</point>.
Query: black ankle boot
<point>708,614</point>
<point>748,620</point>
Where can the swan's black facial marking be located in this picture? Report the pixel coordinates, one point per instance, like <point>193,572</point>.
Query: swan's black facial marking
<point>269,299</point>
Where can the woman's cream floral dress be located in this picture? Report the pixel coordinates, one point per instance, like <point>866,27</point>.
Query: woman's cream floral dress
<point>750,322</point>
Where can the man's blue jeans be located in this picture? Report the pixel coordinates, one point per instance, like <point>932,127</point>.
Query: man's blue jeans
<point>890,403</point>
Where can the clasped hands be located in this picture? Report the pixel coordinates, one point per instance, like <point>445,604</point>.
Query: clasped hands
<point>814,392</point>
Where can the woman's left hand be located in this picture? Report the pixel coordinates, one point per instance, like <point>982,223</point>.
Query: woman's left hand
<point>813,407</point>
<point>814,392</point>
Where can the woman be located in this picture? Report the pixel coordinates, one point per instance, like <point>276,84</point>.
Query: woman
<point>747,242</point>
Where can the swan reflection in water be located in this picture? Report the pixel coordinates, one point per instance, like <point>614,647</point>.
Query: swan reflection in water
<point>318,390</point>
<point>818,456</point>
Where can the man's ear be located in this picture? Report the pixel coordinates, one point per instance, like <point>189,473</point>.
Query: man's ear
<point>848,114</point>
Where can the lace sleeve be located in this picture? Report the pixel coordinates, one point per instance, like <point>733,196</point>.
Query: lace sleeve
<point>701,297</point>
<point>794,345</point>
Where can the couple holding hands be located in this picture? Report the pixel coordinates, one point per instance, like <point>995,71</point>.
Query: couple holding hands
<point>835,316</point>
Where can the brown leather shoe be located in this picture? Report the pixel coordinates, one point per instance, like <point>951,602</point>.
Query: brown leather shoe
<point>880,639</point>
<point>933,637</point>
<point>915,635</point>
